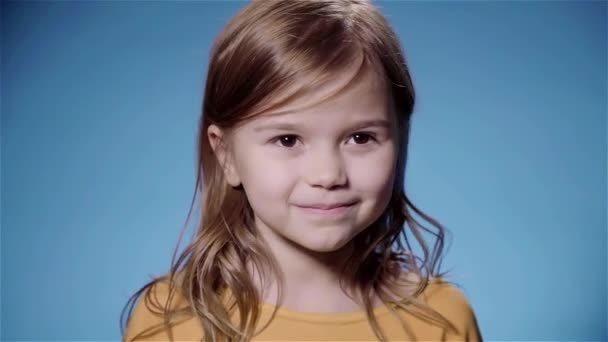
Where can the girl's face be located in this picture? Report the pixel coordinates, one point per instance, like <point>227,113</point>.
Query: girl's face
<point>318,175</point>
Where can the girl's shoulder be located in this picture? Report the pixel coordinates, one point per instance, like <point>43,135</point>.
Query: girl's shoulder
<point>451,302</point>
<point>437,292</point>
<point>147,320</point>
<point>440,291</point>
<point>448,299</point>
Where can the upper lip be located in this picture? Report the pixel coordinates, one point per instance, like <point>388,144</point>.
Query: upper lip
<point>326,206</point>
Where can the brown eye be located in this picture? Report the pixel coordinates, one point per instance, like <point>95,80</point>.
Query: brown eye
<point>287,140</point>
<point>361,138</point>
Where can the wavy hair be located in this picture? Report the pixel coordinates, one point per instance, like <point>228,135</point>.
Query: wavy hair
<point>270,53</point>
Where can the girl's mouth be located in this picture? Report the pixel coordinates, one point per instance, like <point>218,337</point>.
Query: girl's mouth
<point>328,211</point>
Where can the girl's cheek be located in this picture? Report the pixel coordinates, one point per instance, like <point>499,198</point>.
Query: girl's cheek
<point>374,174</point>
<point>271,175</point>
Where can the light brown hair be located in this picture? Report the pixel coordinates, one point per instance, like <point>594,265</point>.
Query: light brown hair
<point>268,54</point>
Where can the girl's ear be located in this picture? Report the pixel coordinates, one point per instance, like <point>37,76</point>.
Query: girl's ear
<point>223,154</point>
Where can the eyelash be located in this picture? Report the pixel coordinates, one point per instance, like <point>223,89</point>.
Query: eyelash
<point>279,138</point>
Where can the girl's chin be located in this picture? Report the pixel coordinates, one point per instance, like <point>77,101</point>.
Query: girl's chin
<point>326,244</point>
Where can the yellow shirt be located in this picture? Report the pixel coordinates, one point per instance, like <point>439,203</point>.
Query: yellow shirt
<point>289,325</point>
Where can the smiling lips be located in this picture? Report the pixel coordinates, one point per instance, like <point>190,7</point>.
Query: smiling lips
<point>326,206</point>
<point>334,209</point>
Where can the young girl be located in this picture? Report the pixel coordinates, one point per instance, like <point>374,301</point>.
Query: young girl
<point>306,231</point>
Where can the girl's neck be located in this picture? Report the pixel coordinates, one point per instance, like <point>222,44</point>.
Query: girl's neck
<point>310,280</point>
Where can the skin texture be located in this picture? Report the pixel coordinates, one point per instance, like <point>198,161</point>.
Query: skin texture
<point>307,153</point>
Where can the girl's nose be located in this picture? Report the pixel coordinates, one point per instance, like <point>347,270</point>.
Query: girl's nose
<point>326,170</point>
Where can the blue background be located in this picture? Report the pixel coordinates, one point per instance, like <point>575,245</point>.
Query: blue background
<point>100,103</point>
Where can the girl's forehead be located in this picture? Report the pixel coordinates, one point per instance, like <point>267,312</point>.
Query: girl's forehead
<point>358,90</point>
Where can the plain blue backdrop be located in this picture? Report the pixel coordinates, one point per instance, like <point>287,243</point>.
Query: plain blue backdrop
<point>100,103</point>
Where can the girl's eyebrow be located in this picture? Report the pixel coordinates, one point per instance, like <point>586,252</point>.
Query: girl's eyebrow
<point>281,126</point>
<point>284,126</point>
<point>379,123</point>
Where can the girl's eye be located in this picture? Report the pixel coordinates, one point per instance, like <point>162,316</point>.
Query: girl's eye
<point>291,140</point>
<point>362,138</point>
<point>287,140</point>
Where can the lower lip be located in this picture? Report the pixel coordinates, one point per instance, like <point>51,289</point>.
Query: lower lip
<point>334,212</point>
